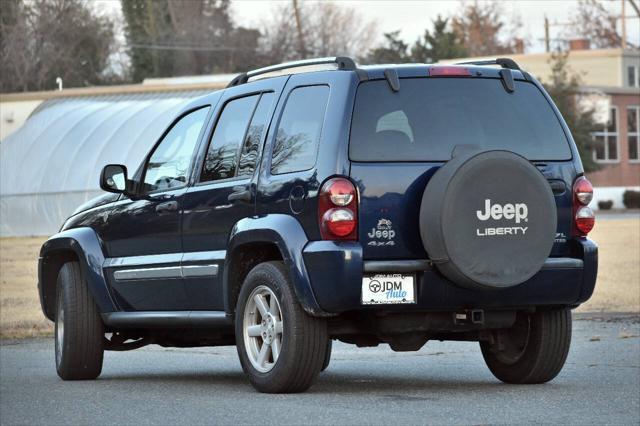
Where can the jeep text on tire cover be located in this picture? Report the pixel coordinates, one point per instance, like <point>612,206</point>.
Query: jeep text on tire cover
<point>517,212</point>
<point>379,204</point>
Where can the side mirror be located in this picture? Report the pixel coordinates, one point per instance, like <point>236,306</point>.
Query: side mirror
<point>114,179</point>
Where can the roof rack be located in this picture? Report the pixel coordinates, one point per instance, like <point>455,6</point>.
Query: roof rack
<point>343,62</point>
<point>503,62</point>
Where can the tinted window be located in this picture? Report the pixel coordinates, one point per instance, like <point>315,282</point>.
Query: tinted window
<point>168,166</point>
<point>221,161</point>
<point>296,144</point>
<point>428,117</point>
<point>251,145</point>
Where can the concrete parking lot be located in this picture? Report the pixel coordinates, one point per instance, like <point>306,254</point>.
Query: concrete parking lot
<point>443,383</point>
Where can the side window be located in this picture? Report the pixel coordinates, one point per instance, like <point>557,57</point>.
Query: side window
<point>221,160</point>
<point>168,166</point>
<point>251,145</point>
<point>296,145</point>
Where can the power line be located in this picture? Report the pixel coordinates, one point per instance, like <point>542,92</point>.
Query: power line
<point>186,47</point>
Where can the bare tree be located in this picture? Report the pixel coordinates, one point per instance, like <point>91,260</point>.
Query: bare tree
<point>44,39</point>
<point>594,22</point>
<point>481,29</point>
<point>325,29</point>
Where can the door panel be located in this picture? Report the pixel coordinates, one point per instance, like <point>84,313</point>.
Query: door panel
<point>138,237</point>
<point>224,192</point>
<point>142,235</point>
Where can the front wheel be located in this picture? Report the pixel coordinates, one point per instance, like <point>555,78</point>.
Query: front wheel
<point>533,350</point>
<point>78,330</point>
<point>281,348</point>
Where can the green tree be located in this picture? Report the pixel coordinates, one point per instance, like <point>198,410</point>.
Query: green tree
<point>392,51</point>
<point>439,44</point>
<point>180,37</point>
<point>564,88</point>
<point>140,27</point>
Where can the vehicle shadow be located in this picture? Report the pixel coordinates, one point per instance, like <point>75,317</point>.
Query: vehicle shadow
<point>386,386</point>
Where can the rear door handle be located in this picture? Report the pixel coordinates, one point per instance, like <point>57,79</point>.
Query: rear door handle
<point>169,206</point>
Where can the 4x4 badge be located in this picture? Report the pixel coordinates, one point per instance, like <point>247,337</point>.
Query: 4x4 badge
<point>383,234</point>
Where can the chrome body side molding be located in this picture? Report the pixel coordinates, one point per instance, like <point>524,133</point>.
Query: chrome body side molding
<point>174,265</point>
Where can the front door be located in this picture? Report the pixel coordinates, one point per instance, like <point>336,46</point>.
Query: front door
<point>224,191</point>
<point>142,235</point>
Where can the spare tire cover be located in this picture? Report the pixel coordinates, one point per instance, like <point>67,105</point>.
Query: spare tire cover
<point>488,219</point>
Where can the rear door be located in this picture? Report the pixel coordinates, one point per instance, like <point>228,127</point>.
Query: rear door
<point>293,161</point>
<point>224,189</point>
<point>399,139</point>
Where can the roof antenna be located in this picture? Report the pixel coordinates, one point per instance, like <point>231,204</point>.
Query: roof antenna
<point>59,82</point>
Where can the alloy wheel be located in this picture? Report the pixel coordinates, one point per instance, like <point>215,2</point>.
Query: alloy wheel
<point>262,328</point>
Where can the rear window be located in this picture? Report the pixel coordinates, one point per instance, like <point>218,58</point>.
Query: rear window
<point>428,117</point>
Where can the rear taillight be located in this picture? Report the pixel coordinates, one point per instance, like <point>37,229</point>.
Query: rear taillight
<point>584,218</point>
<point>338,210</point>
<point>450,71</point>
<point>583,191</point>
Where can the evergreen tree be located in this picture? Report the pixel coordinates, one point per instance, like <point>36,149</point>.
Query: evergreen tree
<point>441,44</point>
<point>564,90</point>
<point>392,51</point>
<point>186,37</point>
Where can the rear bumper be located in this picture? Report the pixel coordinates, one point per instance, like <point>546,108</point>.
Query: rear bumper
<point>336,268</point>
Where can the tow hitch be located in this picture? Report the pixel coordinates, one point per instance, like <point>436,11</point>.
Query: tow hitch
<point>469,316</point>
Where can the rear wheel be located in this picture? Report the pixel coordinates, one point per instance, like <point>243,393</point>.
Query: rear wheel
<point>281,348</point>
<point>78,329</point>
<point>534,350</point>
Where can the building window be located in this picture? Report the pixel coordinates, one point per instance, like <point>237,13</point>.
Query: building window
<point>633,124</point>
<point>606,140</point>
<point>632,77</point>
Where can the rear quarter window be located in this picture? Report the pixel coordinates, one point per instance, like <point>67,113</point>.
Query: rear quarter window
<point>428,117</point>
<point>296,145</point>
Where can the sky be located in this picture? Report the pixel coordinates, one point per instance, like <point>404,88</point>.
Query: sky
<point>412,17</point>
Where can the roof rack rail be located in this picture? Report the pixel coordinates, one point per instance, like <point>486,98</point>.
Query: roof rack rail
<point>343,62</point>
<point>503,62</point>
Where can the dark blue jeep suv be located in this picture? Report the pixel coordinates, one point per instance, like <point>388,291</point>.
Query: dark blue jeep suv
<point>319,200</point>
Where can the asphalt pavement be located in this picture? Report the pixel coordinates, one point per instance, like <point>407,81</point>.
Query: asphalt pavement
<point>441,384</point>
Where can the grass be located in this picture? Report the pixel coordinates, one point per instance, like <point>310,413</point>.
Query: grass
<point>617,289</point>
<point>20,313</point>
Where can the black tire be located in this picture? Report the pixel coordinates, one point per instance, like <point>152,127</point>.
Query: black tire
<point>303,338</point>
<point>78,329</point>
<point>534,350</point>
<point>327,355</point>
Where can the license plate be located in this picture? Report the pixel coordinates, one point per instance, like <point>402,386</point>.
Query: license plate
<point>388,289</point>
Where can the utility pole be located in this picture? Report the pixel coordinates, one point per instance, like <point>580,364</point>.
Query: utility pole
<point>546,34</point>
<point>302,51</point>
<point>624,26</point>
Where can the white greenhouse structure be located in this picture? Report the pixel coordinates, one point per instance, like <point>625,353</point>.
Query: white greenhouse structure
<point>51,164</point>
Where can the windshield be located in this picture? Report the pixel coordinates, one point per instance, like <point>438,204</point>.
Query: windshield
<point>428,117</point>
